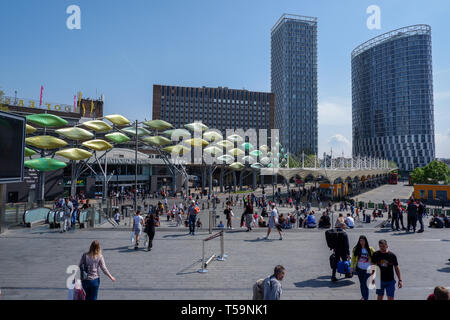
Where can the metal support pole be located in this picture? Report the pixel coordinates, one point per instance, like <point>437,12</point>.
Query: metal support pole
<point>135,167</point>
<point>210,222</point>
<point>222,256</point>
<point>2,208</point>
<point>203,269</point>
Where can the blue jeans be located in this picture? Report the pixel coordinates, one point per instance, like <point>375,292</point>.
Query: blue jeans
<point>91,288</point>
<point>363,276</point>
<point>192,221</point>
<point>389,286</point>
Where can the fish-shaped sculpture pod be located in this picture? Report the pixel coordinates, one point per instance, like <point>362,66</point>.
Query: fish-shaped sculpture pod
<point>237,166</point>
<point>97,125</point>
<point>226,159</point>
<point>140,131</point>
<point>97,145</point>
<point>118,119</point>
<point>248,159</point>
<point>256,153</point>
<point>247,146</point>
<point>74,154</point>
<point>30,129</point>
<point>236,152</point>
<point>180,133</point>
<point>177,149</point>
<point>44,164</point>
<point>256,166</point>
<point>212,136</point>
<point>46,120</point>
<point>196,142</point>
<point>45,142</point>
<point>265,161</point>
<point>29,152</point>
<point>157,141</point>
<point>235,138</point>
<point>213,151</point>
<point>168,133</point>
<point>117,137</point>
<point>158,125</point>
<point>264,148</point>
<point>225,144</point>
<point>196,126</point>
<point>75,133</point>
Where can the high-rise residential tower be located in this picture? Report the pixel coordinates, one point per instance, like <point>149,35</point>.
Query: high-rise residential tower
<point>392,97</point>
<point>294,82</point>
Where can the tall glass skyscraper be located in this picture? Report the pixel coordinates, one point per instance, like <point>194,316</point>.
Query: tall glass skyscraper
<point>294,82</point>
<point>392,97</point>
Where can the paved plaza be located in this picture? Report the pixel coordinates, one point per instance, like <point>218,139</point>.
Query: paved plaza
<point>34,261</point>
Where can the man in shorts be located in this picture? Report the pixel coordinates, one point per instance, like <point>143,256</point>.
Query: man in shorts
<point>387,262</point>
<point>138,223</point>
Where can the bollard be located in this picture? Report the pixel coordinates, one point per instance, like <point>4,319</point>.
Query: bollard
<point>222,256</point>
<point>203,206</point>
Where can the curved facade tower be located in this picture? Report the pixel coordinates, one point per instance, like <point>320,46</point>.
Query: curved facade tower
<point>392,97</point>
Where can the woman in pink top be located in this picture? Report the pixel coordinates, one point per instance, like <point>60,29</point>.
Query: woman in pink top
<point>89,264</point>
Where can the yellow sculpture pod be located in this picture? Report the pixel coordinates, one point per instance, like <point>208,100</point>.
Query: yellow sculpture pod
<point>177,149</point>
<point>44,164</point>
<point>29,152</point>
<point>45,142</point>
<point>168,133</point>
<point>157,141</point>
<point>225,144</point>
<point>235,138</point>
<point>46,120</point>
<point>97,125</point>
<point>30,129</point>
<point>140,131</point>
<point>74,154</point>
<point>158,125</point>
<point>118,119</point>
<point>75,133</point>
<point>196,142</point>
<point>97,145</point>
<point>264,148</point>
<point>212,136</point>
<point>117,137</point>
<point>237,166</point>
<point>236,152</point>
<point>196,126</point>
<point>180,133</point>
<point>213,151</point>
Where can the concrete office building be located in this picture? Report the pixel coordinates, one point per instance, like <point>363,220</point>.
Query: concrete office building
<point>392,97</point>
<point>294,82</point>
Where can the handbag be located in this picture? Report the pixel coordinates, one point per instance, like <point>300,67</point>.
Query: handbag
<point>83,268</point>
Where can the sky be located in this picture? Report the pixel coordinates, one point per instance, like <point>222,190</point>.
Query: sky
<point>124,47</point>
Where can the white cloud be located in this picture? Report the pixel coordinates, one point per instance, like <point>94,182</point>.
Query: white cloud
<point>339,143</point>
<point>336,111</point>
<point>442,144</point>
<point>441,96</point>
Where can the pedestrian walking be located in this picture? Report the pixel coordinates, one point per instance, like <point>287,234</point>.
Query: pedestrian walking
<point>395,215</point>
<point>149,229</point>
<point>420,214</point>
<point>248,216</point>
<point>273,222</point>
<point>387,262</point>
<point>193,211</point>
<point>360,263</point>
<point>337,240</point>
<point>89,264</point>
<point>117,216</point>
<point>229,215</point>
<point>138,222</point>
<point>66,215</point>
<point>272,284</point>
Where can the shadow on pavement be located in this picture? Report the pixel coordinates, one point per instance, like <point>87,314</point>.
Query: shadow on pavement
<point>444,269</point>
<point>183,271</point>
<point>176,235</point>
<point>383,231</point>
<point>402,233</point>
<point>260,240</point>
<point>323,282</point>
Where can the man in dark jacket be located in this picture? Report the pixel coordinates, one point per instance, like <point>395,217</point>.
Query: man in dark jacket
<point>395,216</point>
<point>341,252</point>
<point>420,212</point>
<point>412,215</point>
<point>150,229</point>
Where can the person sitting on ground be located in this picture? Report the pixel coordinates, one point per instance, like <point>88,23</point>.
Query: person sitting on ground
<point>261,222</point>
<point>311,221</point>
<point>446,221</point>
<point>436,222</point>
<point>221,225</point>
<point>324,221</point>
<point>264,212</point>
<point>349,221</point>
<point>199,223</point>
<point>292,219</point>
<point>440,293</point>
<point>340,220</point>
<point>281,219</point>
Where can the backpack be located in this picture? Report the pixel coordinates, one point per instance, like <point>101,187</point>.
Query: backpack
<point>332,238</point>
<point>343,267</point>
<point>258,290</point>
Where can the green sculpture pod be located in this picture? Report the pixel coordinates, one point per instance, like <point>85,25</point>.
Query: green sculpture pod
<point>237,166</point>
<point>256,153</point>
<point>248,159</point>
<point>97,125</point>
<point>226,159</point>
<point>46,120</point>
<point>196,126</point>
<point>168,133</point>
<point>247,146</point>
<point>45,142</point>
<point>74,154</point>
<point>158,125</point>
<point>118,119</point>
<point>29,152</point>
<point>117,137</point>
<point>256,166</point>
<point>196,142</point>
<point>265,161</point>
<point>177,149</point>
<point>213,151</point>
<point>180,133</point>
<point>235,138</point>
<point>264,148</point>
<point>157,141</point>
<point>140,131</point>
<point>75,133</point>
<point>44,164</point>
<point>97,145</point>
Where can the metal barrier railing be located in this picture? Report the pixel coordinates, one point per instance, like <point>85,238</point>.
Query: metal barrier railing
<point>222,255</point>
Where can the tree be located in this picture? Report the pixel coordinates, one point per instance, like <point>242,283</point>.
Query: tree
<point>433,173</point>
<point>417,176</point>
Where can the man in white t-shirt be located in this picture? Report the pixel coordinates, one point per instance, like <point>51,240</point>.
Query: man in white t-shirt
<point>138,223</point>
<point>273,222</point>
<point>349,221</point>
